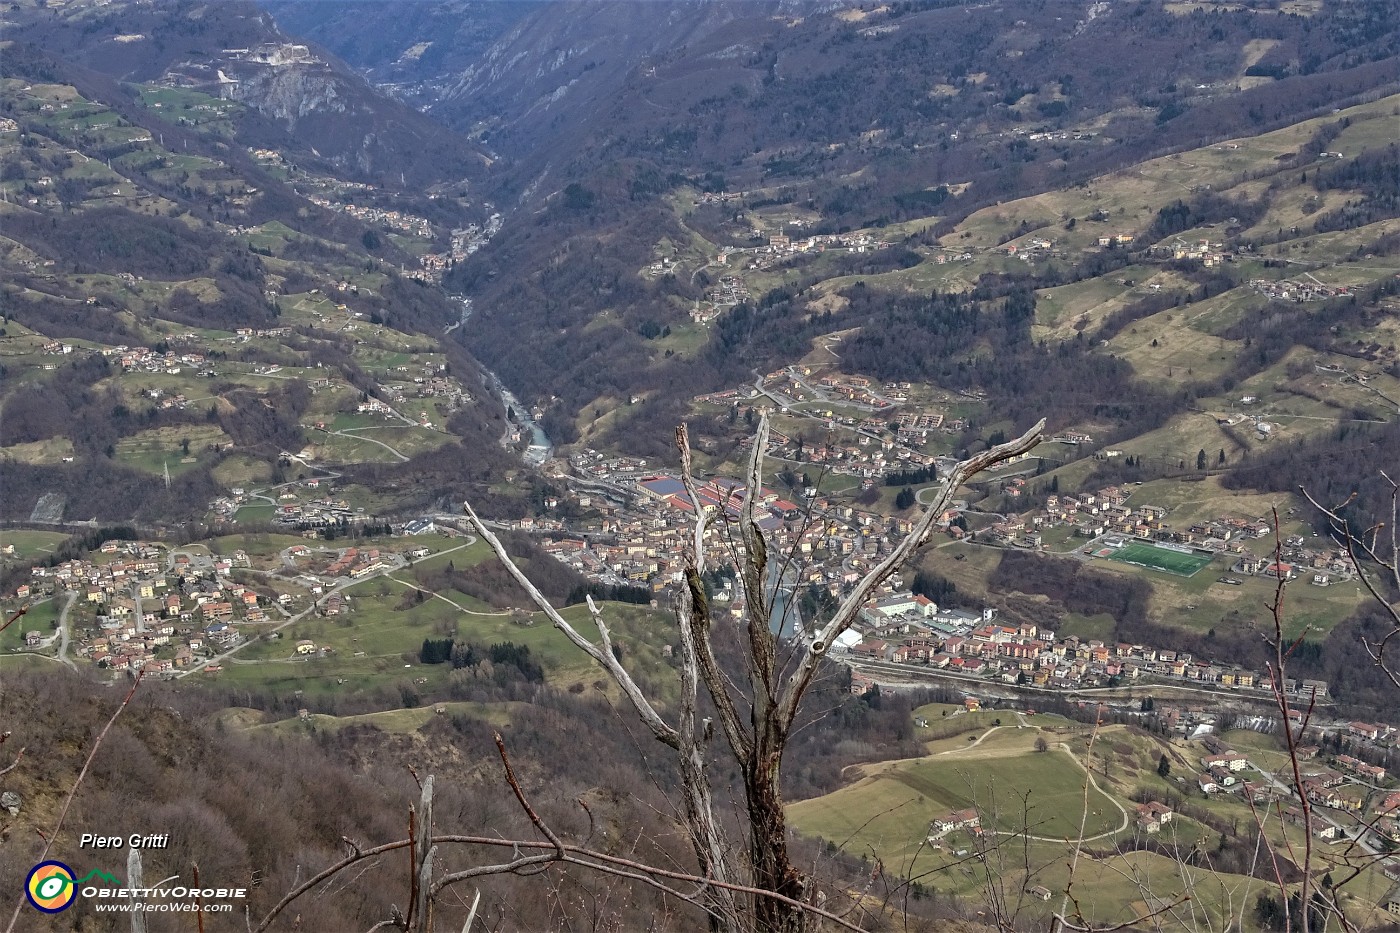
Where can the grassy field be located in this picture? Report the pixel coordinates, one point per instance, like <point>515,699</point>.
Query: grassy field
<point>179,448</point>
<point>41,617</point>
<point>30,544</point>
<point>884,812</point>
<point>241,470</point>
<point>946,720</point>
<point>48,451</point>
<point>1166,345</point>
<point>181,106</point>
<point>402,721</point>
<point>1099,626</point>
<point>376,643</point>
<point>1015,788</point>
<point>1160,558</point>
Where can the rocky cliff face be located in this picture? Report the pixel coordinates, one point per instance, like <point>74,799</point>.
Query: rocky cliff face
<point>522,77</point>
<point>287,87</point>
<point>404,47</point>
<point>311,101</point>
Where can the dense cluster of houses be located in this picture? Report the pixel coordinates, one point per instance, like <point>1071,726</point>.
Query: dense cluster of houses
<point>291,509</point>
<point>1203,251</point>
<point>1323,566</point>
<point>402,383</point>
<point>643,543</point>
<point>779,247</point>
<point>865,457</point>
<point>782,246</point>
<point>139,606</point>
<point>1030,249</point>
<point>325,510</point>
<point>870,452</point>
<point>354,563</point>
<point>463,242</point>
<point>592,464</point>
<point>148,609</point>
<point>1345,785</point>
<point>146,360</point>
<point>392,219</point>
<point>1299,290</point>
<point>910,629</point>
<point>726,294</point>
<point>1107,513</point>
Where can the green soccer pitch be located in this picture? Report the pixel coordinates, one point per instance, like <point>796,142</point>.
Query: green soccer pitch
<point>1160,558</point>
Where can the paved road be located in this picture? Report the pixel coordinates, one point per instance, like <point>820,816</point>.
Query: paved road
<point>454,604</point>
<point>339,587</point>
<point>1319,812</point>
<point>64,634</point>
<point>887,672</point>
<point>980,739</point>
<point>1095,785</point>
<point>348,432</point>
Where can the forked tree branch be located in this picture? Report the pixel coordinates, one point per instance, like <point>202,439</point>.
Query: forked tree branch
<point>549,853</point>
<point>19,755</point>
<point>753,571</point>
<point>693,612</point>
<point>779,893</point>
<point>1065,924</point>
<point>356,856</point>
<point>1365,545</point>
<point>850,607</point>
<point>663,731</point>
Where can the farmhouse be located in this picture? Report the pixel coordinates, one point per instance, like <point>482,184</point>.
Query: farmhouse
<point>958,819</point>
<point>1391,902</point>
<point>1152,816</point>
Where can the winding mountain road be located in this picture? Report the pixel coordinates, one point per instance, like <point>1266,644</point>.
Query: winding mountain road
<point>1092,783</point>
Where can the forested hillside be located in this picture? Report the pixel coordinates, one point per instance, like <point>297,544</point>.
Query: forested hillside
<point>835,120</point>
<point>191,760</point>
<point>182,309</point>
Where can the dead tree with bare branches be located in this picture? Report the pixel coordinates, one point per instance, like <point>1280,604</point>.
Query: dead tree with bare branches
<point>756,715</point>
<point>1374,552</point>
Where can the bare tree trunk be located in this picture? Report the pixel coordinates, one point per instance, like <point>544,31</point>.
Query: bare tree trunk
<point>134,881</point>
<point>774,690</point>
<point>772,868</point>
<point>423,855</point>
<point>706,837</point>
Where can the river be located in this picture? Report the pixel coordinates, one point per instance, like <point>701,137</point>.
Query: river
<point>540,447</point>
<point>786,618</point>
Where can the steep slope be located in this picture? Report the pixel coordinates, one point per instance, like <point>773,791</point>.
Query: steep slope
<point>526,78</point>
<point>406,47</point>
<point>187,313</point>
<point>896,121</point>
<point>309,102</point>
